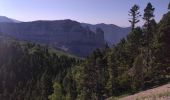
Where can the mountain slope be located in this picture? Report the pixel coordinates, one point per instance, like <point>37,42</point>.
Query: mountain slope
<point>57,51</point>
<point>4,19</point>
<point>112,33</point>
<point>64,34</point>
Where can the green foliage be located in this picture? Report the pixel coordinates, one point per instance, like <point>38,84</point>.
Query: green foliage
<point>136,63</point>
<point>57,95</point>
<point>148,13</point>
<point>140,61</point>
<point>134,12</point>
<point>162,50</point>
<point>27,70</point>
<point>138,73</point>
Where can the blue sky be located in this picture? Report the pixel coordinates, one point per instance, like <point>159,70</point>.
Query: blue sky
<point>89,11</point>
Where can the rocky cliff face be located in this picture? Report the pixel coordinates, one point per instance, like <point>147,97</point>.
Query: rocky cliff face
<point>112,33</point>
<point>65,34</point>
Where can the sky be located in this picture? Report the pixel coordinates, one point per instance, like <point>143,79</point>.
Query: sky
<point>87,11</point>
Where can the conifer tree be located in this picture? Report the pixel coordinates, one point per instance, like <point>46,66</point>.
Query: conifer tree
<point>148,16</point>
<point>162,50</point>
<point>135,14</point>
<point>134,43</point>
<point>90,78</point>
<point>148,13</point>
<point>138,77</point>
<point>113,73</point>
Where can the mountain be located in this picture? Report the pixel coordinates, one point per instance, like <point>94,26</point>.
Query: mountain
<point>64,34</point>
<point>112,33</point>
<point>77,38</point>
<point>4,19</point>
<point>57,51</point>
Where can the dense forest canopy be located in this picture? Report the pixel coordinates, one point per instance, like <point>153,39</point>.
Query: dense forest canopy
<point>27,70</point>
<point>142,60</point>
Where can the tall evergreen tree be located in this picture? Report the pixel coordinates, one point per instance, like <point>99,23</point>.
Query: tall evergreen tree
<point>134,43</point>
<point>90,78</point>
<point>135,14</point>
<point>113,73</point>
<point>148,16</point>
<point>138,74</point>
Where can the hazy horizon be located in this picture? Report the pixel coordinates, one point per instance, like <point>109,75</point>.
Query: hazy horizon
<point>89,11</point>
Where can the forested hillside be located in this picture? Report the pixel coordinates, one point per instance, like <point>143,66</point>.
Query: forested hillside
<point>27,70</point>
<point>139,62</point>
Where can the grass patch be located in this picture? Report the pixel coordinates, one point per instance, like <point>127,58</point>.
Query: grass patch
<point>166,94</point>
<point>118,97</point>
<point>155,96</point>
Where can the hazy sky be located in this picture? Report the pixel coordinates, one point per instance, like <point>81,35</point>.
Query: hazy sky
<point>89,11</point>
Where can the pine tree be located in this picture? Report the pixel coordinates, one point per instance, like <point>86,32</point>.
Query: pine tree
<point>46,85</point>
<point>101,76</point>
<point>134,43</point>
<point>90,78</point>
<point>148,16</point>
<point>162,51</point>
<point>69,86</point>
<point>169,6</point>
<point>138,73</point>
<point>135,14</point>
<point>113,73</point>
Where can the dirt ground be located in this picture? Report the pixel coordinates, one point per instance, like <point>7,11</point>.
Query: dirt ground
<point>159,93</point>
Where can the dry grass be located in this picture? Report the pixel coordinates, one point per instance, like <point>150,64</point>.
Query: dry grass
<point>159,93</point>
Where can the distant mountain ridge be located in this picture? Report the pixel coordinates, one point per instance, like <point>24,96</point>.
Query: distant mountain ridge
<point>4,19</point>
<point>112,33</point>
<point>71,36</point>
<point>65,34</point>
